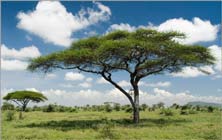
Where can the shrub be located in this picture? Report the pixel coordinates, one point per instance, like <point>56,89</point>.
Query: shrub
<point>49,108</point>
<point>108,108</point>
<point>73,110</point>
<point>116,107</point>
<point>210,109</point>
<point>143,107</point>
<point>129,110</point>
<point>167,112</point>
<point>7,106</point>
<point>10,115</point>
<point>191,111</point>
<point>184,112</point>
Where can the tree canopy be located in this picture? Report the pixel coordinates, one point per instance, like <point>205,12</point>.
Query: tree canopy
<point>140,53</point>
<point>22,98</point>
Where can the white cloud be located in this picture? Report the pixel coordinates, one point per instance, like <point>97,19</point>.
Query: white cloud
<point>197,30</point>
<point>94,97</point>
<point>158,84</point>
<point>23,53</point>
<point>89,79</point>
<point>85,84</point>
<point>11,65</point>
<point>14,60</point>
<point>50,76</point>
<point>122,26</point>
<point>216,52</point>
<point>71,76</point>
<point>161,92</point>
<point>188,72</point>
<point>52,22</point>
<point>124,83</point>
<point>102,81</point>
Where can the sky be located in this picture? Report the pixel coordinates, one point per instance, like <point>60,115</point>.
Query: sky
<point>31,29</point>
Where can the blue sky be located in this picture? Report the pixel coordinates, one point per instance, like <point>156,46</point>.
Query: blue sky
<point>31,29</point>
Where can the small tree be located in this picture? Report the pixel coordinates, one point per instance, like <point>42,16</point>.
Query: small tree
<point>22,98</point>
<point>140,53</point>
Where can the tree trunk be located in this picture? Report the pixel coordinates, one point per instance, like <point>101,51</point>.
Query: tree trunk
<point>20,115</point>
<point>136,113</point>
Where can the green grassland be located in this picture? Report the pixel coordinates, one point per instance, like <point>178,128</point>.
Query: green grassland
<point>92,125</point>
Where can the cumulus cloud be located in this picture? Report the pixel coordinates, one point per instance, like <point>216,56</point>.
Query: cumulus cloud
<point>158,84</point>
<point>50,76</point>
<point>102,81</point>
<point>54,24</point>
<point>122,26</point>
<point>23,53</point>
<point>12,59</point>
<point>124,83</point>
<point>197,30</point>
<point>71,76</point>
<point>216,52</point>
<point>11,65</point>
<point>94,97</point>
<point>85,84</point>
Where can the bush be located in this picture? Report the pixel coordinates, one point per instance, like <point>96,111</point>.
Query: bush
<point>191,111</point>
<point>210,109</point>
<point>49,108</point>
<point>10,115</point>
<point>8,106</point>
<point>129,110</point>
<point>167,112</point>
<point>143,107</point>
<point>108,108</point>
<point>184,112</point>
<point>116,107</point>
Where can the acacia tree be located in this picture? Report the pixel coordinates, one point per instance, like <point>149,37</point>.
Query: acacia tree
<point>22,98</point>
<point>140,53</point>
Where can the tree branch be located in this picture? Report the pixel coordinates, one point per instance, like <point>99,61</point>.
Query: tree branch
<point>109,79</point>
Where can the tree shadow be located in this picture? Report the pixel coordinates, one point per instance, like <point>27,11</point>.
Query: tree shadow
<point>66,125</point>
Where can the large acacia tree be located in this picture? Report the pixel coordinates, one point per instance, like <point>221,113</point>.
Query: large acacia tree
<point>140,54</point>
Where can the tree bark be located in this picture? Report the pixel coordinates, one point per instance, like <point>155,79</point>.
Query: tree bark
<point>136,113</point>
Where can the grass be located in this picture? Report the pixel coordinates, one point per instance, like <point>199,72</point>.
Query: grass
<point>115,125</point>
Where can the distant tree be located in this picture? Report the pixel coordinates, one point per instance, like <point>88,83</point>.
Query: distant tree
<point>108,107</point>
<point>22,98</point>
<point>160,105</point>
<point>140,53</point>
<point>144,107</point>
<point>210,109</point>
<point>7,106</point>
<point>176,106</point>
<point>117,107</point>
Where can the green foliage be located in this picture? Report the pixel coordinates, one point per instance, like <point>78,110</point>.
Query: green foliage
<point>88,125</point>
<point>10,115</point>
<point>49,108</point>
<point>21,95</point>
<point>106,130</point>
<point>7,106</point>
<point>156,52</point>
<point>210,109</point>
<point>167,112</point>
<point>143,107</point>
<point>129,110</point>
<point>108,108</point>
<point>117,107</point>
